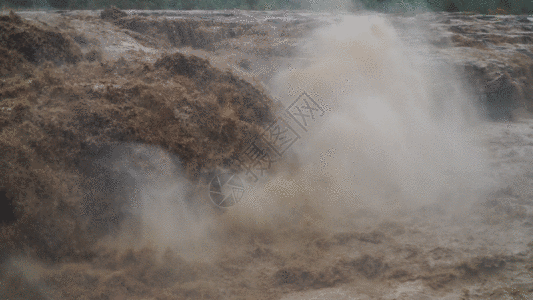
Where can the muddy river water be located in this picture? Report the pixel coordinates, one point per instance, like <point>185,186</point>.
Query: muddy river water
<point>395,183</point>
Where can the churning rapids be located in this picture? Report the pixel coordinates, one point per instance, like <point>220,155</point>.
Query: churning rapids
<point>388,182</point>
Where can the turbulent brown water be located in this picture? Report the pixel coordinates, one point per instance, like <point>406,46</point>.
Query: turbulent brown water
<point>395,188</point>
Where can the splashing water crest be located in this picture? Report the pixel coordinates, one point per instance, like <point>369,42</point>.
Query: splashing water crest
<point>392,139</point>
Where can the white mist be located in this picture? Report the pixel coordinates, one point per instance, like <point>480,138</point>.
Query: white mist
<point>398,134</point>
